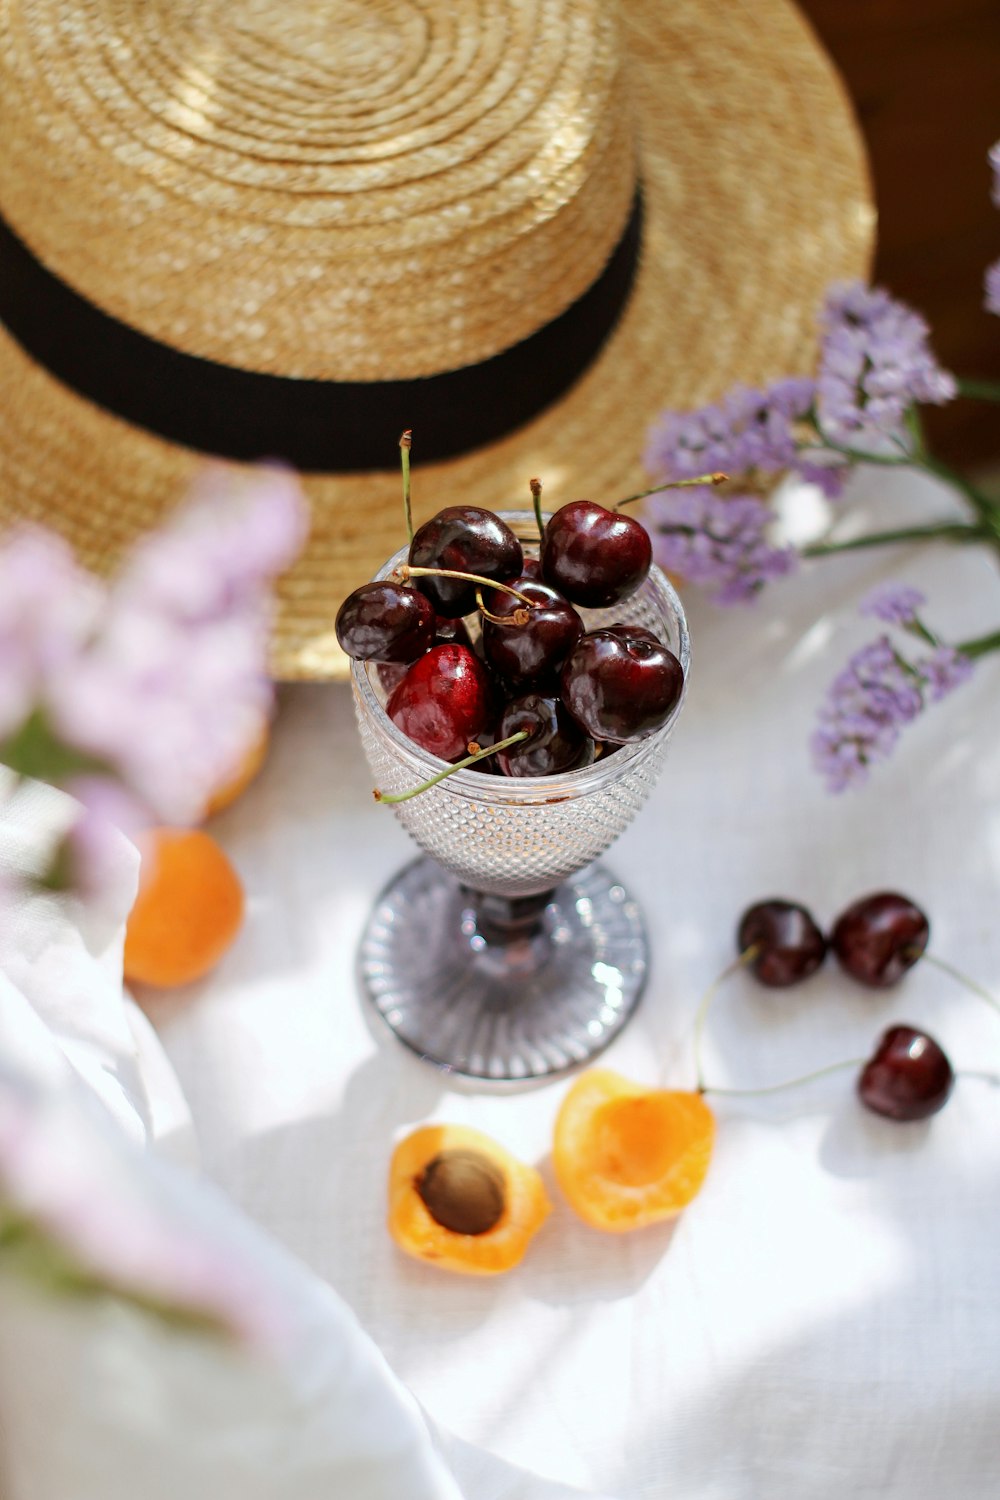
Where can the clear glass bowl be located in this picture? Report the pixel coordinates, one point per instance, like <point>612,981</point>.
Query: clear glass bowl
<point>506,954</point>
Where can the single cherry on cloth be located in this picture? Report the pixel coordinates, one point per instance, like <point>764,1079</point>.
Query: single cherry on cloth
<point>465,539</point>
<point>907,1077</point>
<point>621,683</point>
<point>879,937</point>
<point>444,701</point>
<point>533,651</point>
<point>595,557</point>
<point>385,621</point>
<point>556,743</point>
<point>789,944</point>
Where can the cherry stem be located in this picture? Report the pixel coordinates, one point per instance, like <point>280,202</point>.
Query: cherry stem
<point>970,984</point>
<point>405,443</point>
<point>674,484</point>
<point>535,486</point>
<point>746,957</point>
<point>406,570</point>
<point>459,765</point>
<point>789,1083</point>
<point>521,616</point>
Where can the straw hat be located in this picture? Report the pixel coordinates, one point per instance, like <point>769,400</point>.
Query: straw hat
<point>290,228</point>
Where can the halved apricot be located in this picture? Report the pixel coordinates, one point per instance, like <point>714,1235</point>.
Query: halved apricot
<point>626,1156</point>
<point>458,1200</point>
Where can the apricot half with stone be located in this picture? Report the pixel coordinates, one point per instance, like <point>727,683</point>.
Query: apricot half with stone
<point>626,1156</point>
<point>458,1200</point>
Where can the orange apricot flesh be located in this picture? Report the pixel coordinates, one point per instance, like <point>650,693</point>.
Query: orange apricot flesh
<point>525,1204</point>
<point>626,1156</point>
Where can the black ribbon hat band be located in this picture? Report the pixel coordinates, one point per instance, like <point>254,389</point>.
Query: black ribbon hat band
<point>317,426</point>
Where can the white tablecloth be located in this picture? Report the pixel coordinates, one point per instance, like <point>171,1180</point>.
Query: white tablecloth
<point>825,1319</point>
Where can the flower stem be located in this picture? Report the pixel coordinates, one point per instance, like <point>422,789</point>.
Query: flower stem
<point>980,390</point>
<point>789,1083</point>
<point>458,765</point>
<point>981,645</point>
<point>405,443</point>
<point>535,485</point>
<point>672,484</point>
<point>701,1016</point>
<point>953,531</point>
<point>970,984</point>
<point>988,510</point>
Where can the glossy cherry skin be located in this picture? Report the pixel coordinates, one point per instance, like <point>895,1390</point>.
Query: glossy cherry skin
<point>470,540</point>
<point>594,557</point>
<point>531,653</point>
<point>557,742</point>
<point>385,622</point>
<point>790,944</point>
<point>907,1077</point>
<point>444,701</point>
<point>621,683</point>
<point>879,937</point>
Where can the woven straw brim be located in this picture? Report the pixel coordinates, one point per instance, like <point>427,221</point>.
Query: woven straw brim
<point>756,195</point>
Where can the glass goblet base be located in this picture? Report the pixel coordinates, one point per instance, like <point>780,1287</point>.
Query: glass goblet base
<point>504,989</point>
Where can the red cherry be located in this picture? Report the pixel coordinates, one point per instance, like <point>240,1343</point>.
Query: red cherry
<point>621,683</point>
<point>467,540</point>
<point>907,1077</point>
<point>790,945</point>
<point>594,557</point>
<point>385,622</point>
<point>444,701</point>
<point>879,937</point>
<point>533,652</point>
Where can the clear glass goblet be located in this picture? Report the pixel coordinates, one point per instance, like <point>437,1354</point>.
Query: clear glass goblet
<point>505,953</point>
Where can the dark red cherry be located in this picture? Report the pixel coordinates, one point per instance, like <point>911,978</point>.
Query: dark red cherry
<point>594,557</point>
<point>444,701</point>
<point>557,742</point>
<point>532,652</point>
<point>385,622</point>
<point>470,540</point>
<point>790,945</point>
<point>907,1077</point>
<point>621,683</point>
<point>879,937</point>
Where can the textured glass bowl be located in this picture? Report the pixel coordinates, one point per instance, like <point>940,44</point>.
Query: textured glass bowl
<point>506,954</point>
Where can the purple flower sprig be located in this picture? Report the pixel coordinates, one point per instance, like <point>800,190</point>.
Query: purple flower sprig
<point>882,690</point>
<point>140,698</point>
<point>721,545</point>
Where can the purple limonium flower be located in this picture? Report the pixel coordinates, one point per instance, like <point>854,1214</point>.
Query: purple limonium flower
<point>718,544</point>
<point>875,364</point>
<point>992,287</point>
<point>896,604</point>
<point>748,430</point>
<point>872,700</point>
<point>994,160</point>
<point>168,682</point>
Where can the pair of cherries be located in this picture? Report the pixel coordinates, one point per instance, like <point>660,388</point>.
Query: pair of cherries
<point>876,940</point>
<point>534,690</point>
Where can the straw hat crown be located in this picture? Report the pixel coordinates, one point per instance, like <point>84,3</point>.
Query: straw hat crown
<point>344,189</point>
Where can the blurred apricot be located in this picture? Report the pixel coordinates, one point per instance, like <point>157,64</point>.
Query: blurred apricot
<point>188,911</point>
<point>235,785</point>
